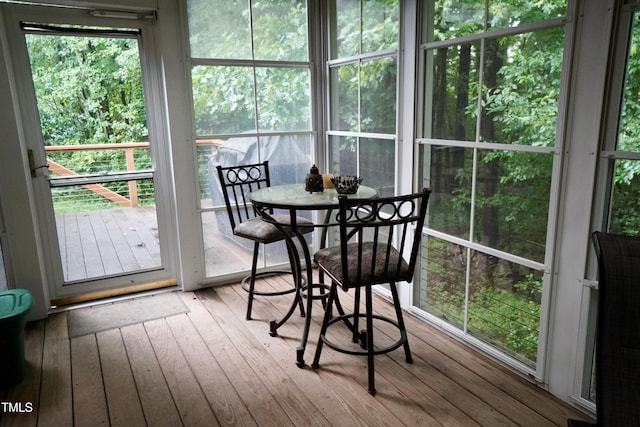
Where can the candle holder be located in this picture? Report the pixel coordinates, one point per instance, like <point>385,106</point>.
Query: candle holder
<point>313,181</point>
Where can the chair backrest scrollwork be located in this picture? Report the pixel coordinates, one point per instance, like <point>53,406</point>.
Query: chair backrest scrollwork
<point>237,182</point>
<point>379,233</point>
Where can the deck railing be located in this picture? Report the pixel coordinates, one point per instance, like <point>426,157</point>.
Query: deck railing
<point>128,148</point>
<point>101,190</point>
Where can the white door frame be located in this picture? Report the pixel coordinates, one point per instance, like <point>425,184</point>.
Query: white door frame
<point>33,140</point>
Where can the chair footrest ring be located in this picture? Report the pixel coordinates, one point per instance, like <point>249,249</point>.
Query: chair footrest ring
<point>325,295</point>
<point>245,283</point>
<point>363,352</point>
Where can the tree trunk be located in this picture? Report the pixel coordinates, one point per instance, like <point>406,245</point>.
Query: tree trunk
<point>489,174</point>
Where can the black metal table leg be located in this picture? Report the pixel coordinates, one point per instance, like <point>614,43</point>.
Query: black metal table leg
<point>309,295</point>
<point>299,282</point>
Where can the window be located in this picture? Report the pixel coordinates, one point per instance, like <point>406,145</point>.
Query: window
<point>363,68</point>
<point>252,101</point>
<point>618,167</point>
<point>490,103</point>
<point>624,157</point>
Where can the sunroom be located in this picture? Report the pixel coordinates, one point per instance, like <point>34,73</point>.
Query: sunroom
<point>519,116</point>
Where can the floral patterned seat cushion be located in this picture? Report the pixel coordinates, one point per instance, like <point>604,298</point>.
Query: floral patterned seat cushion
<point>262,231</point>
<point>330,260</point>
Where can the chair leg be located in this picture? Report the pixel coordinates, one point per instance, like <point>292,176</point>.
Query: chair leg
<point>357,336</point>
<point>403,330</point>
<point>370,355</point>
<point>345,319</point>
<point>325,323</point>
<point>252,283</point>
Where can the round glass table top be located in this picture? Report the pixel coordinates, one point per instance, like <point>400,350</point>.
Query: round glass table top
<point>295,196</point>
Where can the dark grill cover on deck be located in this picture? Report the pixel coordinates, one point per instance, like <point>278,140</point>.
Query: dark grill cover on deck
<point>289,163</point>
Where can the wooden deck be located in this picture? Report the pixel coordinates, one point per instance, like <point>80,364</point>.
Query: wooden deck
<point>124,240</point>
<point>107,242</point>
<point>211,367</point>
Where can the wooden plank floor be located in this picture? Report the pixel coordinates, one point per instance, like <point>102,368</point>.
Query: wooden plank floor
<point>211,367</point>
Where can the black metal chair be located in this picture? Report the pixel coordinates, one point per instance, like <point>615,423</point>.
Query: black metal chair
<point>236,183</point>
<point>374,249</point>
<point>618,331</point>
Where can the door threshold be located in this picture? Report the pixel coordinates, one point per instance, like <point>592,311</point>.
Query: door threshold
<point>112,293</point>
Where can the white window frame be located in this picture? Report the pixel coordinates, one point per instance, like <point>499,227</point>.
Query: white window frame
<point>557,151</point>
<point>605,159</point>
<point>313,53</point>
<point>358,60</point>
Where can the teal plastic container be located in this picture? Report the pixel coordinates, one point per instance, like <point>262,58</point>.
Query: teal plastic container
<point>14,306</point>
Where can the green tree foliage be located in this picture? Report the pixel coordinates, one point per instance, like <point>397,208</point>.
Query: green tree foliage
<point>518,107</point>
<point>89,89</point>
<point>232,99</point>
<point>507,317</point>
<point>361,28</point>
<point>624,215</point>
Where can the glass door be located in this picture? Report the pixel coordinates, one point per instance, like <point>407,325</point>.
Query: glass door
<point>92,148</point>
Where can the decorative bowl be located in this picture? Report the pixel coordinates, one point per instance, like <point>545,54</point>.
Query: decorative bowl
<point>346,184</point>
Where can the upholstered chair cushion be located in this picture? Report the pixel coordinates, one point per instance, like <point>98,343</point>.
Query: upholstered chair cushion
<point>264,232</point>
<point>330,259</point>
